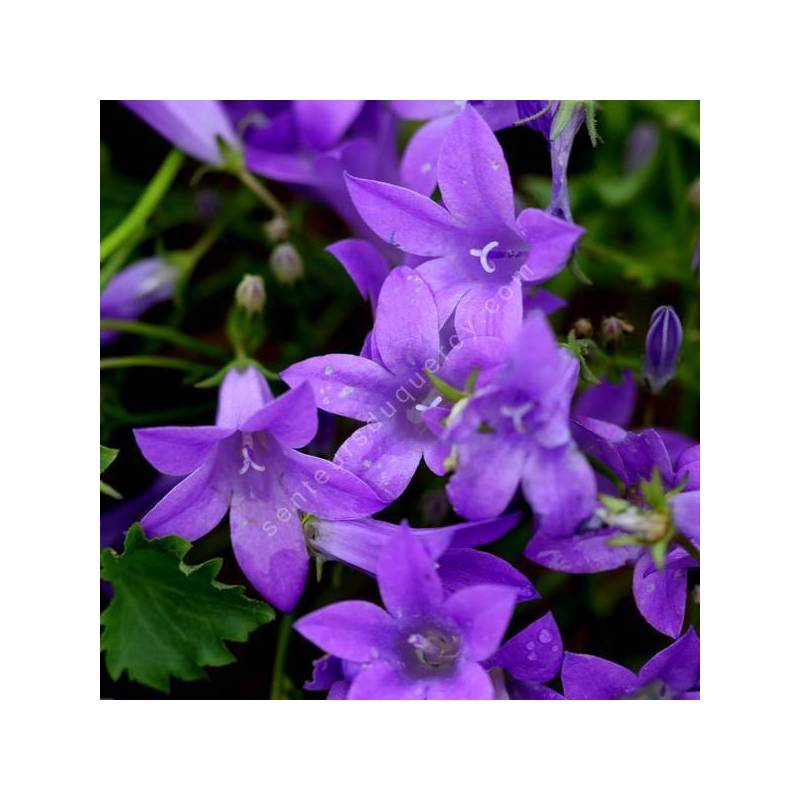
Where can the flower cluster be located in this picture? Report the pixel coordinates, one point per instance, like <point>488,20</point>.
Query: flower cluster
<point>461,370</point>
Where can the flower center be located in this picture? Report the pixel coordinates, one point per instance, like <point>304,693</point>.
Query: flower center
<point>516,413</point>
<point>435,649</point>
<point>248,451</point>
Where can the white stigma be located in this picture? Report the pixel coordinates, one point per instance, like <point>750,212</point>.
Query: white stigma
<point>483,256</point>
<point>516,413</point>
<point>247,458</point>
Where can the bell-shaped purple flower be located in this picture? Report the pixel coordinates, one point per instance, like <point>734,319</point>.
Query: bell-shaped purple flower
<point>247,462</point>
<point>135,289</point>
<point>424,645</point>
<point>194,126</point>
<point>662,347</point>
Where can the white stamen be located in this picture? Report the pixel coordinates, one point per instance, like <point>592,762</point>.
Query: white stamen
<point>247,459</point>
<point>516,413</point>
<point>482,255</point>
<point>422,407</point>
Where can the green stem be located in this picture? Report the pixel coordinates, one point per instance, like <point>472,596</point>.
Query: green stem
<point>119,259</point>
<point>276,690</point>
<point>164,334</point>
<point>160,362</point>
<point>262,193</point>
<point>145,206</point>
<point>687,545</point>
<point>204,244</point>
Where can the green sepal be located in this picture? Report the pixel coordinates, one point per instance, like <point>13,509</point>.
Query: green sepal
<point>109,491</point>
<point>616,505</point>
<point>169,619</point>
<point>658,551</point>
<point>448,391</point>
<point>623,540</point>
<point>107,456</point>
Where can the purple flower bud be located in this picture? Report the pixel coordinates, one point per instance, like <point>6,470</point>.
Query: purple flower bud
<point>277,229</point>
<point>662,347</point>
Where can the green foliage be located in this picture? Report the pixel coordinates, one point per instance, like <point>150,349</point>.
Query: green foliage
<point>107,456</point>
<point>167,618</point>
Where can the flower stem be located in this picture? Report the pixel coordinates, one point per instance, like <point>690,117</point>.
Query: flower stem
<point>145,205</point>
<point>165,335</point>
<point>276,691</point>
<point>162,362</point>
<point>262,193</point>
<point>687,545</point>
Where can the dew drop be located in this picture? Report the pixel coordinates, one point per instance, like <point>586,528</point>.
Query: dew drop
<point>530,646</point>
<point>532,656</point>
<point>328,370</point>
<point>545,636</point>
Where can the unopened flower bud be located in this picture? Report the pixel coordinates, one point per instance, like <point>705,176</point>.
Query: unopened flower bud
<point>286,264</point>
<point>583,328</point>
<point>277,229</point>
<point>613,328</point>
<point>250,294</point>
<point>662,347</point>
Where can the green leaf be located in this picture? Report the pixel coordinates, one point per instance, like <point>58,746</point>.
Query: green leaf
<point>109,491</point>
<point>167,618</point>
<point>107,456</point>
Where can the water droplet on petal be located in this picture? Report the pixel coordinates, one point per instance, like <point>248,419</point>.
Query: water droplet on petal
<point>545,636</point>
<point>530,646</point>
<point>532,656</point>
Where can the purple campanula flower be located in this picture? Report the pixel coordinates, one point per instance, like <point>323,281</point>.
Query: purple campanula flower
<point>247,462</point>
<point>424,646</point>
<point>515,429</point>
<point>135,289</point>
<point>194,126</point>
<point>672,674</point>
<point>659,592</point>
<point>477,249</point>
<point>390,390</point>
<point>662,347</point>
<point>360,542</point>
<point>310,143</point>
<point>418,168</point>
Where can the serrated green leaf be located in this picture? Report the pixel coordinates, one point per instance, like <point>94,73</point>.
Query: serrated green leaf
<point>169,619</point>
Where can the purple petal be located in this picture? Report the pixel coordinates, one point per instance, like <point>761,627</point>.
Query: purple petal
<point>686,513</point>
<point>687,467</point>
<point>542,300</point>
<point>662,347</point>
<point>177,450</point>
<point>591,678</point>
<point>322,123</point>
<point>610,402</point>
<point>407,579</point>
<point>552,241</point>
<point>406,328</point>
<point>418,169</point>
<point>482,613</point>
<point>326,489</point>
<point>353,630</point>
<point>424,109</point>
<point>405,219</point>
<point>521,690</point>
<point>561,487</point>
<point>343,384</point>
<point>534,654</point>
<point>473,174</point>
<point>579,554</point>
<point>383,681</point>
<point>660,595</point>
<point>194,506</point>
<point>449,281</point>
<point>678,665</point>
<point>483,353</point>
<point>460,568</point>
<point>268,543</point>
<point>486,477</point>
<point>240,396</point>
<point>469,682</point>
<point>486,310</point>
<point>474,534</point>
<point>191,125</point>
<point>365,265</point>
<point>290,418</point>
<point>382,455</point>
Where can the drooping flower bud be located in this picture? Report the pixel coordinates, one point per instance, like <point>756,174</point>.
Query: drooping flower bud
<point>583,328</point>
<point>613,328</point>
<point>286,264</point>
<point>662,347</point>
<point>277,229</point>
<point>250,294</point>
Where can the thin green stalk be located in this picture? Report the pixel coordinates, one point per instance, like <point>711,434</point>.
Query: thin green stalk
<point>146,204</point>
<point>160,362</point>
<point>276,690</point>
<point>119,259</point>
<point>165,335</point>
<point>686,544</point>
<point>262,193</point>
